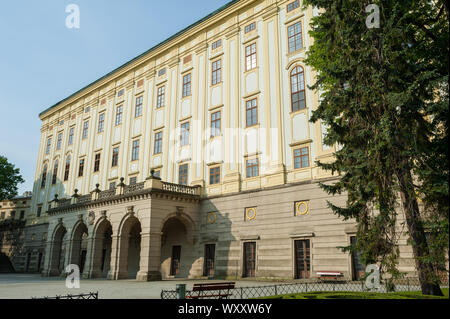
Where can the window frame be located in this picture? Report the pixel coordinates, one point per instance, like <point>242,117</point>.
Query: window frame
<point>135,150</point>
<point>250,27</point>
<point>55,172</point>
<point>291,6</point>
<point>251,55</point>
<point>299,91</point>
<point>187,85</point>
<point>97,162</point>
<point>185,134</point>
<point>301,156</point>
<point>115,157</point>
<point>157,148</point>
<point>67,168</point>
<point>251,109</point>
<point>213,124</point>
<point>48,146</point>
<point>81,163</point>
<point>85,131</point>
<point>180,176</point>
<point>71,134</point>
<point>289,37</point>
<point>101,122</point>
<point>252,166</point>
<point>216,72</point>
<point>59,141</point>
<point>160,96</point>
<point>138,106</point>
<point>214,175</point>
<point>119,115</point>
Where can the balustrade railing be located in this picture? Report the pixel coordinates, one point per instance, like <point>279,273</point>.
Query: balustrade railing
<point>177,188</point>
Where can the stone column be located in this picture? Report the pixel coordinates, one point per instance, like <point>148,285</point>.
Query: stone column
<point>90,263</point>
<point>119,257</point>
<point>51,260</point>
<point>150,262</point>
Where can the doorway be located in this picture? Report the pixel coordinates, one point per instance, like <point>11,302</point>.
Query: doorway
<point>175,262</point>
<point>302,259</point>
<point>249,259</point>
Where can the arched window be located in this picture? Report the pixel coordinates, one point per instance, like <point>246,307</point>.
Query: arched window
<point>44,176</point>
<point>298,99</point>
<point>55,172</point>
<point>67,168</point>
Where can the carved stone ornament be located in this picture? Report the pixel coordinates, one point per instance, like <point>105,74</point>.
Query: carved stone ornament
<point>90,218</point>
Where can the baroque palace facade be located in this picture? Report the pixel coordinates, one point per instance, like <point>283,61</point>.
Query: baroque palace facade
<point>195,159</point>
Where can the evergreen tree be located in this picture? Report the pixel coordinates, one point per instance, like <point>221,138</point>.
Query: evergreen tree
<point>384,101</point>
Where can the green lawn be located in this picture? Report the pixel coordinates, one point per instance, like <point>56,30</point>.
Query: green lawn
<point>360,295</point>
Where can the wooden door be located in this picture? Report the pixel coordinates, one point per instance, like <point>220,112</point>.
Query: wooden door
<point>249,259</point>
<point>175,262</point>
<point>208,269</point>
<point>302,259</point>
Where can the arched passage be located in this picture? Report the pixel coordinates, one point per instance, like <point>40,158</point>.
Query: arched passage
<point>130,248</point>
<point>57,252</point>
<point>79,245</point>
<point>177,250</point>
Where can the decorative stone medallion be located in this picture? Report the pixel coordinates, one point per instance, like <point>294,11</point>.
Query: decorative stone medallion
<point>250,213</point>
<point>301,208</point>
<point>211,217</point>
<point>90,218</point>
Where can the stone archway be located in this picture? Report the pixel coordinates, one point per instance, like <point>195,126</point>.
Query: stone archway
<point>129,243</point>
<point>101,255</point>
<point>177,247</point>
<point>78,248</point>
<point>57,251</point>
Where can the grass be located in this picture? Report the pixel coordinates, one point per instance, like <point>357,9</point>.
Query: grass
<point>361,295</point>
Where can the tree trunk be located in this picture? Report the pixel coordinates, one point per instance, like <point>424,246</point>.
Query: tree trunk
<point>428,281</point>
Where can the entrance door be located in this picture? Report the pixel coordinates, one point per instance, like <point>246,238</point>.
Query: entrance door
<point>175,263</point>
<point>208,269</point>
<point>39,262</point>
<point>82,260</point>
<point>302,259</point>
<point>357,266</point>
<point>249,259</point>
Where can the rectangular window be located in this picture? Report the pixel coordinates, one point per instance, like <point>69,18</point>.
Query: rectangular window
<point>55,172</point>
<point>71,132</point>
<point>162,72</point>
<point>184,138</point>
<point>216,72</point>
<point>250,27</point>
<point>214,175</point>
<point>250,57</point>
<point>160,98</point>
<point>301,157</point>
<point>115,157</point>
<point>157,173</point>
<point>252,112</point>
<point>217,44</point>
<point>183,174</point>
<point>22,214</point>
<point>97,162</point>
<point>101,123</point>
<point>85,129</point>
<point>67,169</point>
<point>13,214</point>
<point>187,85</point>
<point>2,216</point>
<point>295,37</point>
<point>119,115</point>
<point>158,143</point>
<point>135,151</point>
<point>58,141</point>
<point>215,124</point>
<point>133,180</point>
<point>252,168</point>
<point>293,5</point>
<point>49,144</point>
<point>112,185</point>
<point>81,168</point>
<point>138,108</point>
<point>39,210</point>
<point>120,93</point>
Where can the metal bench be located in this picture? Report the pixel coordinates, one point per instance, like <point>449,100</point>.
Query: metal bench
<point>329,275</point>
<point>219,290</point>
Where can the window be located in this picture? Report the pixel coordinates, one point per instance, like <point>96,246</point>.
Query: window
<point>252,112</point>
<point>214,175</point>
<point>215,124</point>
<point>217,44</point>
<point>81,168</point>
<point>97,162</point>
<point>250,57</point>
<point>162,72</point>
<point>3,215</point>
<point>119,115</point>
<point>85,129</point>
<point>158,143</point>
<point>112,185</point>
<point>120,93</point>
<point>301,157</point>
<point>44,176</point>
<point>22,214</point>
<point>216,72</point>
<point>71,131</point>
<point>67,168</point>
<point>157,173</point>
<point>135,151</point>
<point>101,123</point>
<point>133,180</point>
<point>138,108</point>
<point>293,5</point>
<point>13,214</point>
<point>39,210</point>
<point>184,138</point>
<point>295,37</point>
<point>298,99</point>
<point>49,144</point>
<point>58,141</point>
<point>160,98</point>
<point>187,85</point>
<point>183,174</point>
<point>252,168</point>
<point>87,110</point>
<point>55,172</point>
<point>115,157</point>
<point>250,27</point>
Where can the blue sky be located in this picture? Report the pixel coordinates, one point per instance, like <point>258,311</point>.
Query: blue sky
<point>43,62</point>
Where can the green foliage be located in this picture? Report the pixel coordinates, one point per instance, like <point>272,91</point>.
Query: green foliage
<point>9,178</point>
<point>384,101</point>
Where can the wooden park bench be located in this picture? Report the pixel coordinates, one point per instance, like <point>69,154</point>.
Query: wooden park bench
<point>219,290</point>
<point>330,275</point>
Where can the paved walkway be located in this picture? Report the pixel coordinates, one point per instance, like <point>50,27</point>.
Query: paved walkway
<point>25,286</point>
